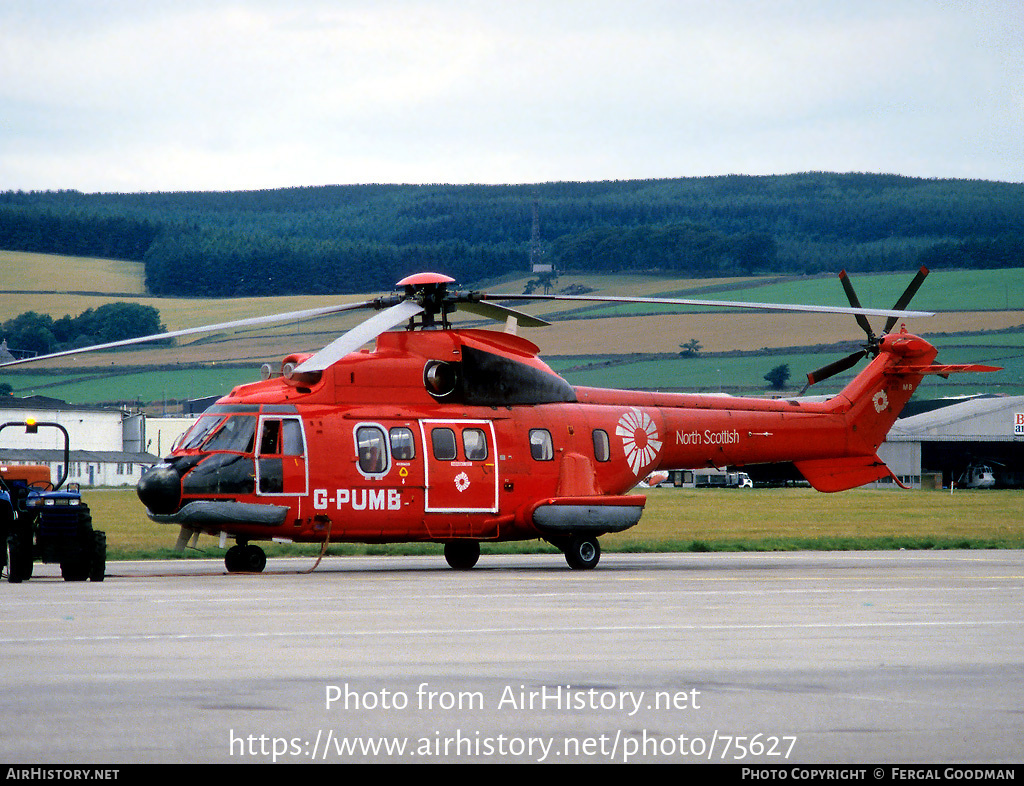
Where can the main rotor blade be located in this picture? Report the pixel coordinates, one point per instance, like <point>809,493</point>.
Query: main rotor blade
<point>907,296</point>
<point>716,304</point>
<point>265,320</point>
<point>362,333</point>
<point>836,367</point>
<point>495,311</point>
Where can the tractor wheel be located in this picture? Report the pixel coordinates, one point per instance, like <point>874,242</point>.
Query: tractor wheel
<point>79,554</point>
<point>19,558</point>
<point>75,568</point>
<point>98,567</point>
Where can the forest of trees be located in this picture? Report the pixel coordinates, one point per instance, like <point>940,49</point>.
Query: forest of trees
<point>41,334</point>
<point>340,239</point>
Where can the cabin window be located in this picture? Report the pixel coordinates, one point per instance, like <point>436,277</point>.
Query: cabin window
<point>541,447</point>
<point>443,441</point>
<point>403,445</point>
<point>475,444</point>
<point>602,450</point>
<point>373,452</point>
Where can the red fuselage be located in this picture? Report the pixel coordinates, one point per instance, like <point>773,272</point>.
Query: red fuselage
<point>467,434</point>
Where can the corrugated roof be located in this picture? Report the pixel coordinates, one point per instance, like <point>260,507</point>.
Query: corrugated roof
<point>955,420</point>
<point>44,456</point>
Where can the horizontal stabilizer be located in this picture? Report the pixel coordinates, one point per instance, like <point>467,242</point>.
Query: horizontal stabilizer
<point>941,370</point>
<point>841,474</point>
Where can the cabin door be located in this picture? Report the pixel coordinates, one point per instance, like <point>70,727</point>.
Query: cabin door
<point>461,466</point>
<point>281,457</point>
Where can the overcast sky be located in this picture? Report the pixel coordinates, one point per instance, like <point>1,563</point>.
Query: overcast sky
<point>133,95</point>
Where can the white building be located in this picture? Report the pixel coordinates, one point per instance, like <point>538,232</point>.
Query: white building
<point>163,432</point>
<point>107,446</point>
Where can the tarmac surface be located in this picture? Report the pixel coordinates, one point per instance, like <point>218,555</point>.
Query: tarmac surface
<point>774,658</point>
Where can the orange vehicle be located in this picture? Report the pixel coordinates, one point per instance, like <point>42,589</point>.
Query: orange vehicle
<point>36,475</point>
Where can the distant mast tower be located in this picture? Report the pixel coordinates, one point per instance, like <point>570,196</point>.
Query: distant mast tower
<point>544,271</point>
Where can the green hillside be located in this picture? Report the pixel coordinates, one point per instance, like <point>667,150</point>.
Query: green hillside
<point>347,239</point>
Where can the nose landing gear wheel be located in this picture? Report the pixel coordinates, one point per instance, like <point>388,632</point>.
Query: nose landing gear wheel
<point>245,559</point>
<point>462,554</point>
<point>582,552</point>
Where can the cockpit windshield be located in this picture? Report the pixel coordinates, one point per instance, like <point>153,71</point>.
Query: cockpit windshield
<point>200,430</point>
<point>234,433</point>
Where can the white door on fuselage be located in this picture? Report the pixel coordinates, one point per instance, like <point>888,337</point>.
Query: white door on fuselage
<point>461,466</point>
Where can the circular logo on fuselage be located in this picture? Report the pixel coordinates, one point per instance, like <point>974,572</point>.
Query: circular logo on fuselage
<point>639,439</point>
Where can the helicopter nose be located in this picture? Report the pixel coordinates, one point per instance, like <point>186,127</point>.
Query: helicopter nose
<point>160,489</point>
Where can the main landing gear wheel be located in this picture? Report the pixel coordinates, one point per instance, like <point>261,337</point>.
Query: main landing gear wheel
<point>245,558</point>
<point>462,554</point>
<point>582,552</point>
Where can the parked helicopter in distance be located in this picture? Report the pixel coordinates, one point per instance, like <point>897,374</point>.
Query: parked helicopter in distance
<point>465,436</point>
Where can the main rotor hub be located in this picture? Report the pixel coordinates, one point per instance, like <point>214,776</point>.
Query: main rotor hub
<point>429,290</point>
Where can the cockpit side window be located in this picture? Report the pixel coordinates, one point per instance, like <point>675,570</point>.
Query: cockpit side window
<point>291,439</point>
<point>281,437</point>
<point>270,438</point>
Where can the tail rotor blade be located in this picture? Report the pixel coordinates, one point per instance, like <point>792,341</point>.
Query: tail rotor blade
<point>906,297</point>
<point>836,367</point>
<point>872,346</point>
<point>855,302</point>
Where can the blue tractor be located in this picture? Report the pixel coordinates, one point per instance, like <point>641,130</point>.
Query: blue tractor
<point>47,522</point>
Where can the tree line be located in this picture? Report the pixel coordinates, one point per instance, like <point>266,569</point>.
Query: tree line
<point>41,334</point>
<point>341,239</point>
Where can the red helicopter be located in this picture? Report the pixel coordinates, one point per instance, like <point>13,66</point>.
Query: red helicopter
<point>464,436</point>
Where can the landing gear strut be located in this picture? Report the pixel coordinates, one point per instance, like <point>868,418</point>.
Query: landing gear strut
<point>245,558</point>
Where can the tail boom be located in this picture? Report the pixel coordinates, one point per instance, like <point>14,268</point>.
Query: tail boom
<point>833,443</point>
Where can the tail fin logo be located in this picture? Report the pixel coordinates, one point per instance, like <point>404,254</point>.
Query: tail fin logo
<point>639,439</point>
<point>881,401</point>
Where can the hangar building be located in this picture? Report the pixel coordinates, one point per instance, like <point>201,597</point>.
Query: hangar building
<point>945,438</point>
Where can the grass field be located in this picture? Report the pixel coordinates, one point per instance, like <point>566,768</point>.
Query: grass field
<point>688,520</point>
<point>27,272</point>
